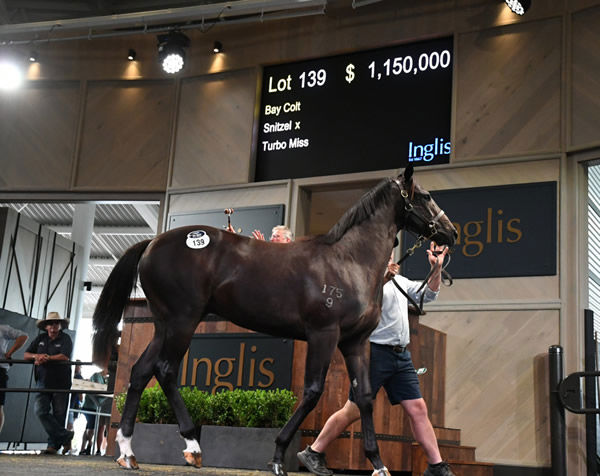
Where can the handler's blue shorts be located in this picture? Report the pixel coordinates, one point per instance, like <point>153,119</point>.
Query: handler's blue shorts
<point>393,371</point>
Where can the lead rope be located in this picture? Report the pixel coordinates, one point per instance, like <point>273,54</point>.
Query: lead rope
<point>446,280</point>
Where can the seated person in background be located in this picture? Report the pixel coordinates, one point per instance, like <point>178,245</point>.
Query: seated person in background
<point>93,403</point>
<point>76,399</point>
<point>11,340</point>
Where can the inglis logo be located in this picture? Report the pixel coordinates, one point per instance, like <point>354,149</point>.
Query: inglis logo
<point>428,152</point>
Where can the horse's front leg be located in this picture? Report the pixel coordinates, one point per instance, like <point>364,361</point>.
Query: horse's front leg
<point>318,357</point>
<point>357,363</point>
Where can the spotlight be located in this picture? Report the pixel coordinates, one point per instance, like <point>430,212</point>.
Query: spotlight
<point>10,75</point>
<point>518,6</point>
<point>131,54</point>
<point>217,47</point>
<point>33,56</point>
<point>171,51</point>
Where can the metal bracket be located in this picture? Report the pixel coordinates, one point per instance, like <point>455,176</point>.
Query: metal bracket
<point>570,394</point>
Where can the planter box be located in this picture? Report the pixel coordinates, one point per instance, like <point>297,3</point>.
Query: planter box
<point>222,446</point>
<point>244,448</point>
<point>156,444</point>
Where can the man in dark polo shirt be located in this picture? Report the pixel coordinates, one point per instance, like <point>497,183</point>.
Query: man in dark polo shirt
<point>48,351</point>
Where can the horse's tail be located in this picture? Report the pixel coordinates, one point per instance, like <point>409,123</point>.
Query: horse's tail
<point>112,301</point>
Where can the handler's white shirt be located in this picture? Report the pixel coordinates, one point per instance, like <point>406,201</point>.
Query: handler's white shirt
<point>393,328</point>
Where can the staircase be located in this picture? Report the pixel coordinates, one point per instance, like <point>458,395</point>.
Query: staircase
<point>461,459</point>
<point>397,446</point>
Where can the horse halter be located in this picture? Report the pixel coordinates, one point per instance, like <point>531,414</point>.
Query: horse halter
<point>432,226</point>
<point>410,210</point>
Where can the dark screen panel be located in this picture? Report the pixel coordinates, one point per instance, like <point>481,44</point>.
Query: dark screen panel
<point>503,231</point>
<point>371,110</point>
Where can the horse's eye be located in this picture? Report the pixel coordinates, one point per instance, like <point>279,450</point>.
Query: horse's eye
<point>427,197</point>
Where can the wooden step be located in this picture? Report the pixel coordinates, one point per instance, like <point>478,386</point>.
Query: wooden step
<point>447,436</point>
<point>461,459</point>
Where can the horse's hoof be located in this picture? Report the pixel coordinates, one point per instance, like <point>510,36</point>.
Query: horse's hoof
<point>193,459</point>
<point>277,469</point>
<point>128,462</point>
<point>381,472</point>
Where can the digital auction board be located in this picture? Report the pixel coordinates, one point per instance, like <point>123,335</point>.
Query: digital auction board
<point>371,110</point>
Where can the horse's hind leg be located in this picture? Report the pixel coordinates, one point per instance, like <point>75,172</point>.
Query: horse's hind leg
<point>318,357</point>
<point>357,363</point>
<point>141,373</point>
<point>166,371</point>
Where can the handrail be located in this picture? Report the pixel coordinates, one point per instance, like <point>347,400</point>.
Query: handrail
<point>52,390</point>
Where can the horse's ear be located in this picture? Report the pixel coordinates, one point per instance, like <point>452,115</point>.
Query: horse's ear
<point>408,173</point>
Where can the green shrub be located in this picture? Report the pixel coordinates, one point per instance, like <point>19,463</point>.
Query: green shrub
<point>251,408</point>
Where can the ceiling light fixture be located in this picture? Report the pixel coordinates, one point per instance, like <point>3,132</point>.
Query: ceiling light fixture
<point>33,57</point>
<point>10,75</point>
<point>217,47</point>
<point>171,51</point>
<point>131,54</point>
<point>518,6</point>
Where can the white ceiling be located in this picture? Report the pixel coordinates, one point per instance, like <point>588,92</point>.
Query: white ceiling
<point>117,226</point>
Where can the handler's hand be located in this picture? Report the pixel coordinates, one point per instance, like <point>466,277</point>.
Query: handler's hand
<point>392,269</point>
<point>436,254</point>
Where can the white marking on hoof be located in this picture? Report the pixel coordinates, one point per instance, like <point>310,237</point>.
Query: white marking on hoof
<point>124,444</point>
<point>192,446</point>
<point>193,459</point>
<point>381,472</point>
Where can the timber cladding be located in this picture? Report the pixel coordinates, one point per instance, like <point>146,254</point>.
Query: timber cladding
<point>126,135</point>
<point>212,111</point>
<point>37,136</point>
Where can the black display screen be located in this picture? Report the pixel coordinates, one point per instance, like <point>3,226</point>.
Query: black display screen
<point>371,110</point>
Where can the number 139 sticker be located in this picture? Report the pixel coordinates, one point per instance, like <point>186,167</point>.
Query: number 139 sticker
<point>197,239</point>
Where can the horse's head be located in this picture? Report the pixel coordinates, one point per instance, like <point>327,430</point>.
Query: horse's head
<point>420,214</point>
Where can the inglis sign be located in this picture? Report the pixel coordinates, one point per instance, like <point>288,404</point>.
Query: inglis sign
<point>502,231</point>
<point>227,361</point>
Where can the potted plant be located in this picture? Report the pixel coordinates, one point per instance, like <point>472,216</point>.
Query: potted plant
<point>246,422</point>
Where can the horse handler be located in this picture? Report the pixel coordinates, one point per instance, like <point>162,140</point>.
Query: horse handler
<point>391,367</point>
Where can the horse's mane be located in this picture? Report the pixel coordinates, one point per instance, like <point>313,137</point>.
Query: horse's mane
<point>380,195</point>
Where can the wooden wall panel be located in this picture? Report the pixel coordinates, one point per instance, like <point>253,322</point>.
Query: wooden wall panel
<point>585,85</point>
<point>496,381</point>
<point>487,175</point>
<point>126,136</point>
<point>508,90</point>
<point>37,135</point>
<point>214,130</point>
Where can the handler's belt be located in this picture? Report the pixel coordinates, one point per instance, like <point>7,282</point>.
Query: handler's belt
<point>399,349</point>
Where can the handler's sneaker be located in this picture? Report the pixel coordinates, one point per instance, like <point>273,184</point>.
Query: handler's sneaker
<point>440,469</point>
<point>314,462</point>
